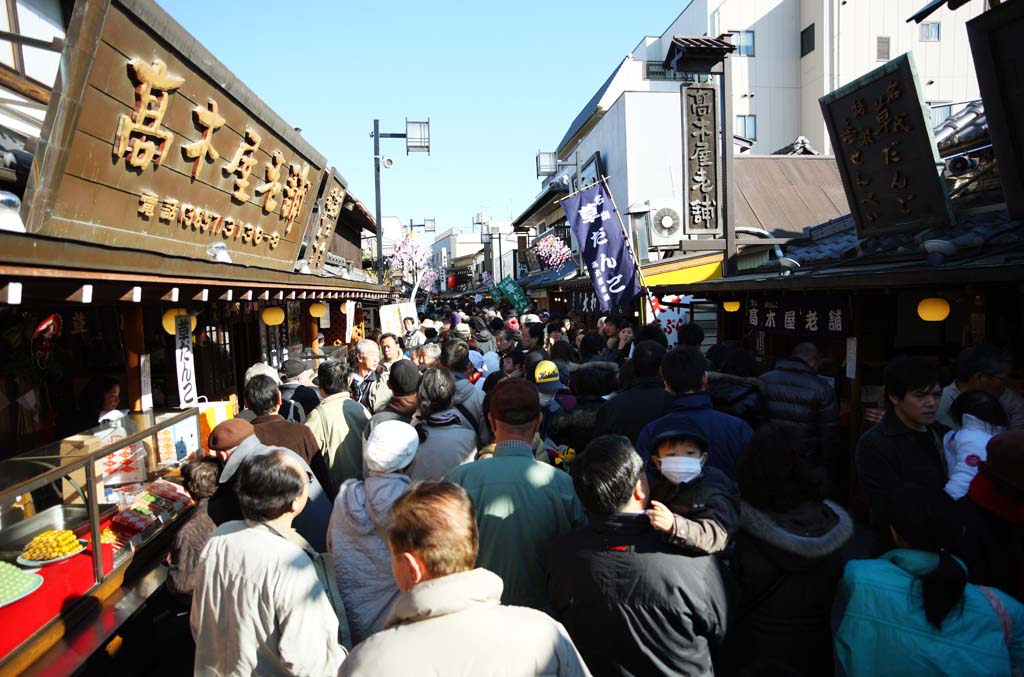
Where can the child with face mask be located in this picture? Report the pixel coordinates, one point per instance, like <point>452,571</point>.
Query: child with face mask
<point>697,507</point>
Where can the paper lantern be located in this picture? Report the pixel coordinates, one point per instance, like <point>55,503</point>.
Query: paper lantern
<point>731,306</point>
<point>169,319</point>
<point>933,309</point>
<point>273,315</point>
<point>318,309</point>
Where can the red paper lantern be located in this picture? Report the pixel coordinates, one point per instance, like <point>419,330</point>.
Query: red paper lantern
<point>451,281</point>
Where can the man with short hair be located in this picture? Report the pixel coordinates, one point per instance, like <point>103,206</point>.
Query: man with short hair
<point>447,619</point>
<point>611,326</point>
<point>533,336</point>
<point>259,607</point>
<point>521,504</point>
<point>367,360</point>
<point>289,411</point>
<point>297,385</point>
<point>905,447</point>
<point>691,334</point>
<point>264,398</point>
<point>427,355</point>
<point>977,368</point>
<point>337,425</point>
<point>631,602</point>
<point>468,401</point>
<point>644,401</point>
<point>805,408</point>
<point>413,336</point>
<point>684,371</point>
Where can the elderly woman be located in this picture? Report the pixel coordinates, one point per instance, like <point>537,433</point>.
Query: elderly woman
<point>355,536</point>
<point>445,440</point>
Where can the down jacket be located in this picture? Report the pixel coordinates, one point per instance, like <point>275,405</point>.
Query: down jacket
<point>455,625</point>
<point>362,560</point>
<point>965,449</point>
<point>804,405</point>
<point>738,396</point>
<point>787,566</point>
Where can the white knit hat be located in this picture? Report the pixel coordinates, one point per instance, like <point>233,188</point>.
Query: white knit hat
<point>392,446</point>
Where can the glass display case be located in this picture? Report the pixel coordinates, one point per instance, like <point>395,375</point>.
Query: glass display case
<point>113,485</point>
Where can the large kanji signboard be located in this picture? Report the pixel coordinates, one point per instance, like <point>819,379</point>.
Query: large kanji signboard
<point>151,143</point>
<point>882,138</point>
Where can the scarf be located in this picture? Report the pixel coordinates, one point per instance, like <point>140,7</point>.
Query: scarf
<point>996,499</point>
<point>404,405</point>
<point>444,418</point>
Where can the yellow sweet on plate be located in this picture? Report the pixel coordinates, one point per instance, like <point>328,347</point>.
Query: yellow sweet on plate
<point>51,545</point>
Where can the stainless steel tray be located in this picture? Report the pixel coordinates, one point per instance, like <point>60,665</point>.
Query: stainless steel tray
<point>15,537</point>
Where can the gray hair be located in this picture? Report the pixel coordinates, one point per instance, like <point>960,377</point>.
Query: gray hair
<point>363,347</point>
<point>430,350</point>
<point>259,369</point>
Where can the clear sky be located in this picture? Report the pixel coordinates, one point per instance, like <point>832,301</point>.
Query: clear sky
<point>498,80</point>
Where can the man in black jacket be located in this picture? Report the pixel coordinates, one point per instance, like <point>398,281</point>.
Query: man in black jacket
<point>905,447</point>
<point>804,406</point>
<point>646,400</point>
<point>632,604</point>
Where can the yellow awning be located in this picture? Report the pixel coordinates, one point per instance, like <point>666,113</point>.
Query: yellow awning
<point>687,271</point>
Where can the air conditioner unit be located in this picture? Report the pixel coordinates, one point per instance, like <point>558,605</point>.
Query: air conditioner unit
<point>666,224</point>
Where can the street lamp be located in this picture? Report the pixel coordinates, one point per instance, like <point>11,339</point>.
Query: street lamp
<point>428,225</point>
<point>417,140</point>
<point>548,164</point>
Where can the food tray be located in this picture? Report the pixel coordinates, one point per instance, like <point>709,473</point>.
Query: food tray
<point>15,537</point>
<point>38,584</point>
<point>36,563</point>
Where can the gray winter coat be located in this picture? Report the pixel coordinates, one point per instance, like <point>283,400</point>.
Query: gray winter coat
<point>362,560</point>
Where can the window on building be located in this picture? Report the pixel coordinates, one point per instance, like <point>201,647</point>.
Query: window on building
<point>882,48</point>
<point>744,41</point>
<point>940,111</point>
<point>746,126</point>
<point>807,41</point>
<point>41,19</point>
<point>929,31</point>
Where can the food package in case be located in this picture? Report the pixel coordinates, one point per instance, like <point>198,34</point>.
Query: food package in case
<point>168,490</point>
<point>134,520</point>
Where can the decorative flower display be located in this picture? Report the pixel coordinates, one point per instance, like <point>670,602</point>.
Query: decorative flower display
<point>412,259</point>
<point>553,251</point>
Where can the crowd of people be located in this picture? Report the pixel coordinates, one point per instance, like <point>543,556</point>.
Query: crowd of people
<point>493,494</point>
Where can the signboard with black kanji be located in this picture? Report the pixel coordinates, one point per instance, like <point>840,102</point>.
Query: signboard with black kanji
<point>799,315</point>
<point>881,134</point>
<point>700,158</point>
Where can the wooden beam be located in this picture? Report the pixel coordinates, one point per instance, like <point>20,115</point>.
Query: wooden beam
<point>201,295</point>
<point>24,86</point>
<point>246,296</point>
<point>171,296</point>
<point>265,295</point>
<point>291,295</point>
<point>279,296</point>
<point>227,295</point>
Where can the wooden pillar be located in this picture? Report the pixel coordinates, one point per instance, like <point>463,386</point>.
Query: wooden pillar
<point>134,347</point>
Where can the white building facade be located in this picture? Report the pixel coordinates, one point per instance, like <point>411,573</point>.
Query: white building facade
<point>791,52</point>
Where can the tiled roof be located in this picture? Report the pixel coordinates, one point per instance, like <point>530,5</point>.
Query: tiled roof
<point>800,146</point>
<point>965,129</point>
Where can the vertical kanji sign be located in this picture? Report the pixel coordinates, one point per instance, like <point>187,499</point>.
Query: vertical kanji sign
<point>700,158</point>
<point>883,142</point>
<point>185,362</point>
<point>603,244</point>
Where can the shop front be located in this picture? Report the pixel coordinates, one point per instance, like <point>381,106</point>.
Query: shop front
<point>176,232</point>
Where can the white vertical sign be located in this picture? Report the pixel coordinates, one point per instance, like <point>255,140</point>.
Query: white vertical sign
<point>146,378</point>
<point>185,362</point>
<point>350,318</point>
<point>851,357</point>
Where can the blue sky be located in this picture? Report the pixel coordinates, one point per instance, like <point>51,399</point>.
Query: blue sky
<point>498,80</point>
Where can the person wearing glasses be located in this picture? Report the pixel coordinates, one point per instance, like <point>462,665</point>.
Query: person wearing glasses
<point>259,605</point>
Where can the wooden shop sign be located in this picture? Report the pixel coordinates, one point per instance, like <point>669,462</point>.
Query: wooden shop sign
<point>151,143</point>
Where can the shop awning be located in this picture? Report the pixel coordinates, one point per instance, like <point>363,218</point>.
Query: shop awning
<point>52,269</point>
<point>683,271</point>
<point>548,196</point>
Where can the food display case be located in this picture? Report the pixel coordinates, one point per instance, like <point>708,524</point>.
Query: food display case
<point>113,485</point>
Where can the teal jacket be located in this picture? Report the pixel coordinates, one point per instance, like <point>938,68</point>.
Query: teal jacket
<point>521,505</point>
<point>882,630</point>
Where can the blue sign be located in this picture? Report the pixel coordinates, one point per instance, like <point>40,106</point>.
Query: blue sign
<point>605,252</point>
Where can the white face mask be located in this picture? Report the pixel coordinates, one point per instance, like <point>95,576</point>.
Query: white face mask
<point>681,469</point>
